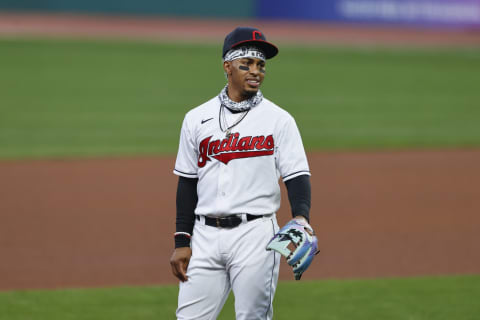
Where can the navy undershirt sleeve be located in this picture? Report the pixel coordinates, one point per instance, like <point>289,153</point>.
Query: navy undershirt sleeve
<point>187,199</point>
<point>299,195</point>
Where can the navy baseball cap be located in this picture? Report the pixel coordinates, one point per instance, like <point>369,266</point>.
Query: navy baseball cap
<point>242,36</point>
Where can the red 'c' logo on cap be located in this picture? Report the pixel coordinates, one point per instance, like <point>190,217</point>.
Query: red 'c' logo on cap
<point>254,33</point>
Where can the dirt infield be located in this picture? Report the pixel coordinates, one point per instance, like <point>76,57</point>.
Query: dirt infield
<point>105,222</point>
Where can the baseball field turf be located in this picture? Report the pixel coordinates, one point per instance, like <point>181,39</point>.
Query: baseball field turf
<point>73,98</point>
<point>92,98</point>
<point>440,298</point>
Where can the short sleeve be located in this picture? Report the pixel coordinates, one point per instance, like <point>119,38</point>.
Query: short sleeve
<point>291,159</point>
<point>186,163</point>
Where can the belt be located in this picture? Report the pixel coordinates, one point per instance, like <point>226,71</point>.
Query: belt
<point>228,221</point>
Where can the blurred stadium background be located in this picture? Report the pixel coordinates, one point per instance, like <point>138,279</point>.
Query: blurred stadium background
<point>433,13</point>
<point>385,92</point>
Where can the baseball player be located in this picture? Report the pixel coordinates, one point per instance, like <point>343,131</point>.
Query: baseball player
<point>233,150</point>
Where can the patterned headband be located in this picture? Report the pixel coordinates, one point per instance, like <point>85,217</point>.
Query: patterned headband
<point>244,52</point>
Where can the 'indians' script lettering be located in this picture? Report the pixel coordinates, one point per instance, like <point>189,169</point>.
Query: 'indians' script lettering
<point>235,147</point>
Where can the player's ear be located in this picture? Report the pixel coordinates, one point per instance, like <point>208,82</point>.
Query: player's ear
<point>227,67</point>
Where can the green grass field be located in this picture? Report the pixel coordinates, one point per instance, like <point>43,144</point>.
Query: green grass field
<point>439,298</point>
<point>94,98</point>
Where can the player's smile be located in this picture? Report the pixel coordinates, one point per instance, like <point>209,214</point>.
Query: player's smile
<point>253,82</point>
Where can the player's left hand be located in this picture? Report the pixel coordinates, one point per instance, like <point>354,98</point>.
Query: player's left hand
<point>297,242</point>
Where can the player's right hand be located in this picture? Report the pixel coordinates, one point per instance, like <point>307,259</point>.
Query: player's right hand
<point>179,262</point>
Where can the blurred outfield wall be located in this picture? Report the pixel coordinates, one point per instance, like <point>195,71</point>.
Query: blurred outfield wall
<point>197,8</point>
<point>428,13</point>
<point>419,13</point>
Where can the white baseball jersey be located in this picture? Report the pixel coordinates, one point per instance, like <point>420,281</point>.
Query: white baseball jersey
<point>240,174</point>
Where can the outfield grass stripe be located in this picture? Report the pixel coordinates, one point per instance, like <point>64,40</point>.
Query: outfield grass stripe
<point>79,97</point>
<point>418,298</point>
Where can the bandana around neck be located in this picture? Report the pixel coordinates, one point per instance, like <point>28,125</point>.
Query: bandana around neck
<point>242,105</point>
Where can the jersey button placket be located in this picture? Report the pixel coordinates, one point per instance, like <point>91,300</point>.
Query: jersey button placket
<point>223,182</point>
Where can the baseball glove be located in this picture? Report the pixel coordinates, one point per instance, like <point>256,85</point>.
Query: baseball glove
<point>297,242</point>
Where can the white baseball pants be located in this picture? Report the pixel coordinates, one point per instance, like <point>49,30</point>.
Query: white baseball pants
<point>231,259</point>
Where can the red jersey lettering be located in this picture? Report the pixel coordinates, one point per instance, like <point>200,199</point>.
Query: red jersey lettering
<point>235,147</point>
